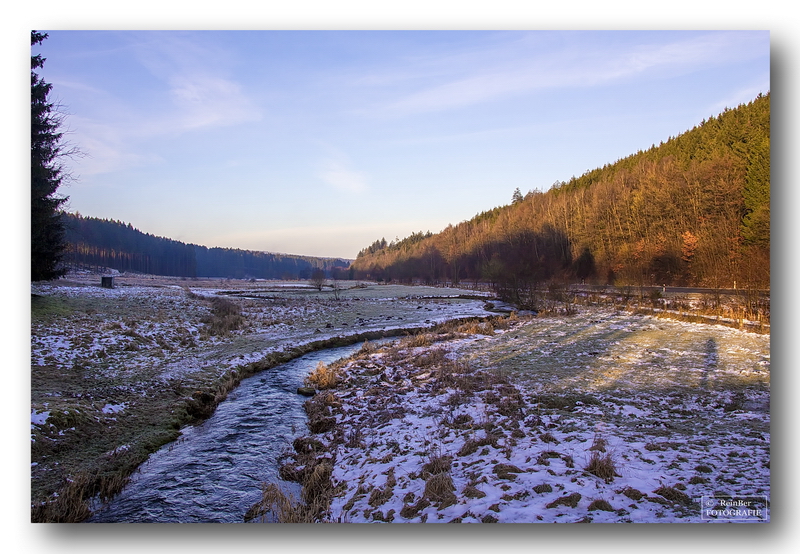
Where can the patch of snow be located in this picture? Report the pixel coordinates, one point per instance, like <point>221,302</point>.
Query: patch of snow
<point>39,418</point>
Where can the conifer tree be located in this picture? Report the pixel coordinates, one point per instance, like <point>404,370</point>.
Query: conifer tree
<point>47,147</point>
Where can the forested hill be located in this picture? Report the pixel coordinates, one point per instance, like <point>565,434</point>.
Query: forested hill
<point>93,242</point>
<point>694,210</point>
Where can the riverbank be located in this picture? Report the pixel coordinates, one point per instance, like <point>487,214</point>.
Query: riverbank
<point>116,373</point>
<point>601,416</point>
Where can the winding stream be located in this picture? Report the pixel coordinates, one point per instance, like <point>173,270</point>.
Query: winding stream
<point>213,473</point>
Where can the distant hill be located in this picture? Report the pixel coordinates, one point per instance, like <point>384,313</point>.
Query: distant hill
<point>94,242</point>
<point>694,210</point>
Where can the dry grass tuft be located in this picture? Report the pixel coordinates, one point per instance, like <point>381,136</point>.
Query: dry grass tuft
<point>599,444</point>
<point>461,421</point>
<point>278,507</point>
<point>410,511</point>
<point>380,495</point>
<point>471,491</point>
<point>511,405</point>
<point>471,445</point>
<point>418,340</point>
<point>439,489</point>
<point>633,494</point>
<point>506,471</point>
<point>308,445</point>
<point>70,506</point>
<point>476,328</point>
<point>548,437</point>
<point>544,487</point>
<point>602,466</point>
<point>323,377</point>
<point>601,504</point>
<point>317,488</point>
<point>569,500</point>
<point>366,349</point>
<point>320,409</point>
<point>355,437</point>
<point>432,357</point>
<point>437,464</point>
<point>674,495</point>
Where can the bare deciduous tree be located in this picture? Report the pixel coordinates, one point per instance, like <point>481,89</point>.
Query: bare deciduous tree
<point>318,279</point>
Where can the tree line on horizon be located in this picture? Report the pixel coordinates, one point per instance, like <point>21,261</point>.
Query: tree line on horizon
<point>103,243</point>
<point>692,211</point>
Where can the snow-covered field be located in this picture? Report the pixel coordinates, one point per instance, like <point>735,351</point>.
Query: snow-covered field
<point>480,425</point>
<point>598,417</point>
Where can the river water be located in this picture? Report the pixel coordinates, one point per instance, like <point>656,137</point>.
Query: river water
<point>213,473</point>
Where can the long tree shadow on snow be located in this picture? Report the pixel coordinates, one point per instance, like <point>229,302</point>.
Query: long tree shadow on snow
<point>711,361</point>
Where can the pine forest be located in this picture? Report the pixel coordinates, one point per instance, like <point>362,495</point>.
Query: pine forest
<point>692,211</point>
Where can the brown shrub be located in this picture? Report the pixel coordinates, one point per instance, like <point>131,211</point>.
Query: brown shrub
<point>226,316</point>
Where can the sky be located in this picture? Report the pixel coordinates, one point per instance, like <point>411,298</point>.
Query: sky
<point>320,142</point>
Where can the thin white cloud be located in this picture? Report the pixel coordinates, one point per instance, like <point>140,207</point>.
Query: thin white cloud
<point>76,85</point>
<point>198,83</point>
<point>338,175</point>
<point>106,149</point>
<point>527,65</point>
<point>196,94</point>
<point>209,101</point>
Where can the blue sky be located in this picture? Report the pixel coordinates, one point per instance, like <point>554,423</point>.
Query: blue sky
<point>320,142</point>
